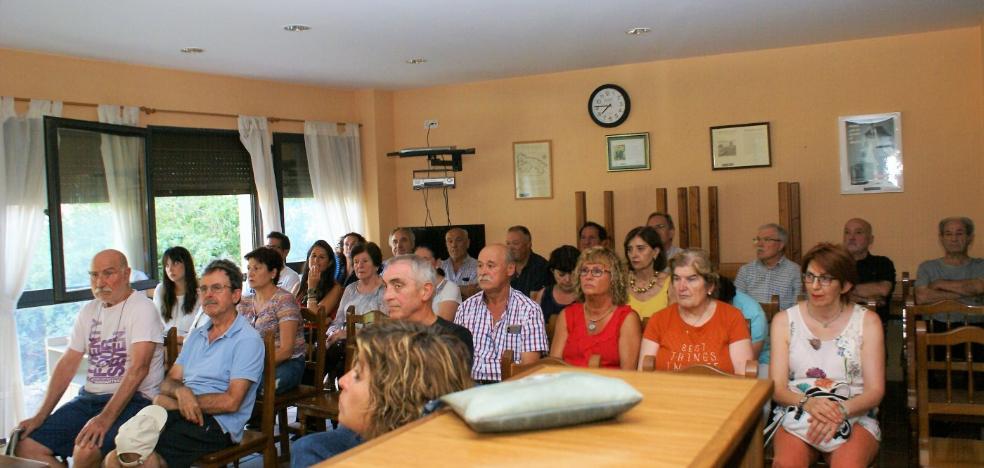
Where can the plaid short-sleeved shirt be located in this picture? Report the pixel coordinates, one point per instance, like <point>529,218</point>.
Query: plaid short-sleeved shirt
<point>520,329</point>
<point>761,282</point>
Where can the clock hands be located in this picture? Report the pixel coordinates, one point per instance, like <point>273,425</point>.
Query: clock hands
<point>606,107</point>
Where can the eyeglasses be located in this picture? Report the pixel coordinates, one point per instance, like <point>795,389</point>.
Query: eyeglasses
<point>810,278</point>
<point>215,288</point>
<point>756,240</point>
<point>595,272</point>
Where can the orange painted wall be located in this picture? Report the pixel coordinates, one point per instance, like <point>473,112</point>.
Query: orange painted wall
<point>934,79</point>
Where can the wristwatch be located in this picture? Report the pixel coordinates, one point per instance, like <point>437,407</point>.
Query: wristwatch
<point>802,401</point>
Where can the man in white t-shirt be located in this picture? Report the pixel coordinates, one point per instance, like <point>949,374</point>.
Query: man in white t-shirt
<point>289,279</point>
<point>122,334</point>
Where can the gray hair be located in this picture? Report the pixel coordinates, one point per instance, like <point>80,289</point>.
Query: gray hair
<point>780,231</point>
<point>456,229</point>
<point>967,222</point>
<point>420,270</point>
<point>413,239</point>
<point>230,269</point>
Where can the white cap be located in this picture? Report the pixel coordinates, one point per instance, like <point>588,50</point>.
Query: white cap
<point>140,433</point>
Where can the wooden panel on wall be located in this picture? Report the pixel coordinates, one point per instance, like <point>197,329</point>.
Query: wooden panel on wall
<point>683,219</point>
<point>580,213</point>
<point>661,201</point>
<point>610,212</point>
<point>693,212</point>
<point>713,225</point>
<point>789,218</point>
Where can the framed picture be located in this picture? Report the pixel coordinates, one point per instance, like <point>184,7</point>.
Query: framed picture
<point>628,152</point>
<point>531,169</point>
<point>740,146</point>
<point>871,153</point>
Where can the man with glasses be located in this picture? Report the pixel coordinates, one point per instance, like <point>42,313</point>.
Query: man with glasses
<point>663,224</point>
<point>122,334</point>
<point>771,273</point>
<point>210,391</point>
<point>500,317</point>
<point>460,268</point>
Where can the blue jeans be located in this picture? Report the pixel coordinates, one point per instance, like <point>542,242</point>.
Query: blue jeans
<point>320,446</point>
<point>289,374</point>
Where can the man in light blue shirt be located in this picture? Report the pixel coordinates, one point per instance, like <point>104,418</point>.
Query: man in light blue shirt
<point>210,391</point>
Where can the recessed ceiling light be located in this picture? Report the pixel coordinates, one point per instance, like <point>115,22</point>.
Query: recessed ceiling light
<point>416,61</point>
<point>192,50</point>
<point>637,31</point>
<point>296,27</point>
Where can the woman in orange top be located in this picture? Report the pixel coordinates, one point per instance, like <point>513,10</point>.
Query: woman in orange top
<point>599,322</point>
<point>698,329</point>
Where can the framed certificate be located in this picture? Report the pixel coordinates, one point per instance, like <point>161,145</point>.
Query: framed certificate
<point>740,146</point>
<point>531,169</point>
<point>628,152</point>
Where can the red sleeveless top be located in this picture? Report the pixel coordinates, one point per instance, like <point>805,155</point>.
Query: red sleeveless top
<point>580,345</point>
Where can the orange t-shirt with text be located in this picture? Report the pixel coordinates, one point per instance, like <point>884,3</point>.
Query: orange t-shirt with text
<point>682,345</point>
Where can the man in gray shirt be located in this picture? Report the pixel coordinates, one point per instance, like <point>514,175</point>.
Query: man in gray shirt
<point>956,275</point>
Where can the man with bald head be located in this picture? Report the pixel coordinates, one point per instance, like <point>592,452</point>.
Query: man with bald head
<point>876,274</point>
<point>500,317</point>
<point>122,334</point>
<point>460,268</point>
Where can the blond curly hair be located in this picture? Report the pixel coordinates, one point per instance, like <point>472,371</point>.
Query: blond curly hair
<point>620,273</point>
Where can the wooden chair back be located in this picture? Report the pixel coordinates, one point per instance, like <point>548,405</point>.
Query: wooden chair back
<point>551,326</point>
<point>261,441</point>
<point>770,308</point>
<point>314,343</point>
<point>170,348</point>
<point>937,319</point>
<point>510,368</point>
<point>968,401</point>
<point>729,270</point>
<point>750,372</point>
<point>354,323</point>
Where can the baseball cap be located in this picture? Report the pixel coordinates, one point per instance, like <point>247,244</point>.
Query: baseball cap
<point>139,434</point>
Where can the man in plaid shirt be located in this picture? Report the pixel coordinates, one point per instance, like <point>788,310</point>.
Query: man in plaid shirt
<point>500,317</point>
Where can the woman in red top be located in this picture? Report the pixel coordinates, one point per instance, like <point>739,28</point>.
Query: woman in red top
<point>698,329</point>
<point>599,322</point>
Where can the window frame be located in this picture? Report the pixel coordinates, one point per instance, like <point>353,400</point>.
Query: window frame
<point>278,170</point>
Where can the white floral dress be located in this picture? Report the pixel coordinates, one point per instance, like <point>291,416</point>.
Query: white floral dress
<point>826,364</point>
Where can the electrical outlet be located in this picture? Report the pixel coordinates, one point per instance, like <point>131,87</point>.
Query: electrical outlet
<point>429,124</point>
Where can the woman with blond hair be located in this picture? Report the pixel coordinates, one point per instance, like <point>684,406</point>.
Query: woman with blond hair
<point>599,322</point>
<point>399,368</point>
<point>698,328</point>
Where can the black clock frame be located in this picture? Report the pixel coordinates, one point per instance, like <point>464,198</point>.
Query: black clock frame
<point>628,105</point>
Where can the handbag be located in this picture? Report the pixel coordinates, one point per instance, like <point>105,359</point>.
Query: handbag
<point>796,421</point>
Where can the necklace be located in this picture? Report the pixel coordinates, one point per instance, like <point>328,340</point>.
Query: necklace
<point>593,323</point>
<point>815,343</point>
<point>644,288</point>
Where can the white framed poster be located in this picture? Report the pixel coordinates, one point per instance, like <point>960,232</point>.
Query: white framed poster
<point>871,153</point>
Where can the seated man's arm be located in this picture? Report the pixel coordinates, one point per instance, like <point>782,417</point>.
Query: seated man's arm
<point>929,294</point>
<point>874,291</point>
<point>968,287</point>
<point>65,369</point>
<point>228,401</point>
<point>141,355</point>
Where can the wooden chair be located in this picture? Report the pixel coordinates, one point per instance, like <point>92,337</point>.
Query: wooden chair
<point>170,348</point>
<point>937,451</point>
<point>729,270</point>
<point>751,368</point>
<point>551,325</point>
<point>324,404</point>
<point>315,361</point>
<point>770,308</point>
<point>510,369</point>
<point>261,441</point>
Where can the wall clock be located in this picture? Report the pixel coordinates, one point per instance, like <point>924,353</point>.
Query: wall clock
<point>609,105</point>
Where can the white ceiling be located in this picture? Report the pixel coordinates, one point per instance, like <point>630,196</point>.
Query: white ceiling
<point>365,43</point>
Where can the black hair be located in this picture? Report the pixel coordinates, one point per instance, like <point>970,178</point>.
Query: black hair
<point>327,280</point>
<point>651,237</point>
<point>269,257</point>
<point>602,232</point>
<point>284,240</point>
<point>564,258</point>
<point>178,254</point>
<point>726,290</point>
<point>370,248</point>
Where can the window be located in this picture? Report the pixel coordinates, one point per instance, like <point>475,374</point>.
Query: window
<point>204,193</point>
<point>294,185</point>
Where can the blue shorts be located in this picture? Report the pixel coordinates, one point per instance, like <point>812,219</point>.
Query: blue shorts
<point>59,431</point>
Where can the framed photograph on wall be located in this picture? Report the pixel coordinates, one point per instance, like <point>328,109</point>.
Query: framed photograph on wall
<point>531,169</point>
<point>741,146</point>
<point>871,153</point>
<point>628,152</point>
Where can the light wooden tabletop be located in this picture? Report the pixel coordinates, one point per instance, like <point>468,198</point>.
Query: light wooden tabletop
<point>683,420</point>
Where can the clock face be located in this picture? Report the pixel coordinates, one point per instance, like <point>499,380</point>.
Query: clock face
<point>609,105</point>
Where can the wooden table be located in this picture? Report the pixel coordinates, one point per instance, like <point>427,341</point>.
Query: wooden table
<point>683,420</point>
<point>15,462</point>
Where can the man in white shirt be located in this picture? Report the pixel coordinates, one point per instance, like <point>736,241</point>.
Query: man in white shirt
<point>122,334</point>
<point>289,279</point>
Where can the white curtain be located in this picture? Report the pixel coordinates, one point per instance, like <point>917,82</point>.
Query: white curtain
<point>123,160</point>
<point>335,163</point>
<point>256,138</point>
<point>22,203</point>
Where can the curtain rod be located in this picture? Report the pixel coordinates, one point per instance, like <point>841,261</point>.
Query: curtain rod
<point>152,110</point>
